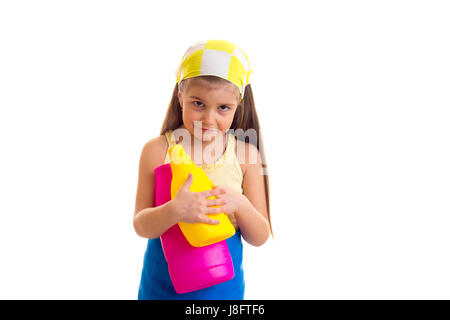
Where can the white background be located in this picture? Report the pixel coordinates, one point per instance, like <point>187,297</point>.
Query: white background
<point>353,99</point>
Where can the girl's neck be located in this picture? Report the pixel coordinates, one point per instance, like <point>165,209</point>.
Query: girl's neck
<point>204,152</point>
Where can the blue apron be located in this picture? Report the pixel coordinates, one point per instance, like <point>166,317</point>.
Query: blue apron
<point>156,284</point>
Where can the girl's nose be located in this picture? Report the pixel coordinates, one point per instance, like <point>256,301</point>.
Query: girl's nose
<point>208,119</point>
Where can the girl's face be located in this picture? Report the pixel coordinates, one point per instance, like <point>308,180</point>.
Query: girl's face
<point>214,104</point>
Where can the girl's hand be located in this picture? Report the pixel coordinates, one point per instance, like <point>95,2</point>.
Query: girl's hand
<point>192,207</point>
<point>233,200</point>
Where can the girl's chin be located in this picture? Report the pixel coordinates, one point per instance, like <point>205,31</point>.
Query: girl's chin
<point>206,136</point>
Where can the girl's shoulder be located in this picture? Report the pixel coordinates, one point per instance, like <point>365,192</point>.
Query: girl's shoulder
<point>154,152</point>
<point>246,154</point>
<point>240,145</point>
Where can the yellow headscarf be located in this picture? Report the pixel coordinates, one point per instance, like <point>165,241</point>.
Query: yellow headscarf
<point>219,58</point>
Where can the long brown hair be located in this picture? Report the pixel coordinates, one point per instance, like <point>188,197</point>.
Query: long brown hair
<point>245,118</point>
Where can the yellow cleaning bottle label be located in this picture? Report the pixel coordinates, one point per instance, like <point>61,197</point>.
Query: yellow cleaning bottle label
<point>197,234</point>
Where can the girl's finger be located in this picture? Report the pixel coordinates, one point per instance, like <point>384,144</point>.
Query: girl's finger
<point>207,220</point>
<point>211,210</point>
<point>213,192</point>
<point>215,202</point>
<point>187,183</point>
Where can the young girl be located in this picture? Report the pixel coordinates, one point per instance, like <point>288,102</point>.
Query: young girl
<point>212,105</point>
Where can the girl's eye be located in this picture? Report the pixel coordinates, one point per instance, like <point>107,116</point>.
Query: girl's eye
<point>200,104</point>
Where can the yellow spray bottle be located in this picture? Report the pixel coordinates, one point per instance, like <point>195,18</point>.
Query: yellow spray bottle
<point>197,234</point>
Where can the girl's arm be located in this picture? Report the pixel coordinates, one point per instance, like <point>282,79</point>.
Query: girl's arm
<point>149,221</point>
<point>251,214</point>
<point>192,207</point>
<point>153,222</point>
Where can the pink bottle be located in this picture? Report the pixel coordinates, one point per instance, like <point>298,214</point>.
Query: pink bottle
<point>190,268</point>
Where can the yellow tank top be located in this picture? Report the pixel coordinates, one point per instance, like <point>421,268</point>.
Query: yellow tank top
<point>225,172</point>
